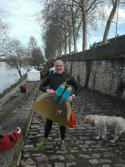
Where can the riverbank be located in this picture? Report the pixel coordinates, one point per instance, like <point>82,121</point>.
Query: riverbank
<point>9,76</point>
<point>12,86</point>
<point>16,112</point>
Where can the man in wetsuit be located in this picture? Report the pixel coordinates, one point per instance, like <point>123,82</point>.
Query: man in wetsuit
<point>54,81</point>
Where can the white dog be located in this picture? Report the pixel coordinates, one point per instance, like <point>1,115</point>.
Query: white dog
<point>103,122</point>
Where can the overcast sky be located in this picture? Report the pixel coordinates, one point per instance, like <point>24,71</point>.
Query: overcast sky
<point>19,14</point>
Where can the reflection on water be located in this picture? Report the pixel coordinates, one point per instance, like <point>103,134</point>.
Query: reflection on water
<point>8,76</point>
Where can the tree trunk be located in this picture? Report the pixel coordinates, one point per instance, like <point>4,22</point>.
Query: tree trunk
<point>84,26</point>
<point>65,44</point>
<point>109,21</point>
<point>74,37</point>
<point>19,71</point>
<point>58,42</point>
<point>60,54</point>
<point>74,30</point>
<point>70,37</point>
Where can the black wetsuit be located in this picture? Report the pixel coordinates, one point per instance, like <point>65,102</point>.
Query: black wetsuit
<point>54,81</point>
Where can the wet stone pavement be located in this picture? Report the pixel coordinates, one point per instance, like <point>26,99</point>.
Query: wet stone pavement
<point>82,149</point>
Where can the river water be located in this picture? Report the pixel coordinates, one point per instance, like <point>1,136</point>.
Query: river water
<point>8,76</point>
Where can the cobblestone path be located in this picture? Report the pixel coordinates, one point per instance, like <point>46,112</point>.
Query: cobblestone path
<point>82,149</point>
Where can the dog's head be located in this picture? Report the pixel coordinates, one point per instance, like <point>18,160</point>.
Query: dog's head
<point>89,119</point>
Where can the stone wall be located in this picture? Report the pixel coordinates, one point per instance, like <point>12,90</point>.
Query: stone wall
<point>101,68</point>
<point>107,76</point>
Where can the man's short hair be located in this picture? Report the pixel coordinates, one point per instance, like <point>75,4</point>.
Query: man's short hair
<point>59,60</point>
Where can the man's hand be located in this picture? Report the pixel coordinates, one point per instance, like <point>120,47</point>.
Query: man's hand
<point>50,91</point>
<point>70,98</point>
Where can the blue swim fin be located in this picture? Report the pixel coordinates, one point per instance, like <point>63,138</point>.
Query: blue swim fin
<point>59,91</point>
<point>66,94</point>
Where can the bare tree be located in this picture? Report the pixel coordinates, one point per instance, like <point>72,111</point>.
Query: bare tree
<point>32,44</point>
<point>38,57</point>
<point>52,35</point>
<point>58,27</point>
<point>4,30</point>
<point>72,15</point>
<point>63,20</point>
<point>88,8</point>
<point>16,55</point>
<point>110,19</point>
<point>35,52</point>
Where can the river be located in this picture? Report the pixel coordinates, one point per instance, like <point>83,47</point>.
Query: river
<point>8,76</point>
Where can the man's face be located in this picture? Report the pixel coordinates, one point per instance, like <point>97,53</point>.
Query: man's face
<point>59,67</point>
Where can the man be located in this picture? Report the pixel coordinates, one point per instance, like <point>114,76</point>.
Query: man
<point>54,81</point>
<point>23,90</point>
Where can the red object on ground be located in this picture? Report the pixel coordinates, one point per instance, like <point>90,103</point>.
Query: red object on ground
<point>25,88</point>
<point>8,140</point>
<point>72,121</point>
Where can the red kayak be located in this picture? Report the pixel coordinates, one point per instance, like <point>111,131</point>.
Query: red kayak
<point>8,140</point>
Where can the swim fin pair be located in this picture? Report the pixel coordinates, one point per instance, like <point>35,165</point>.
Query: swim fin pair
<point>60,91</point>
